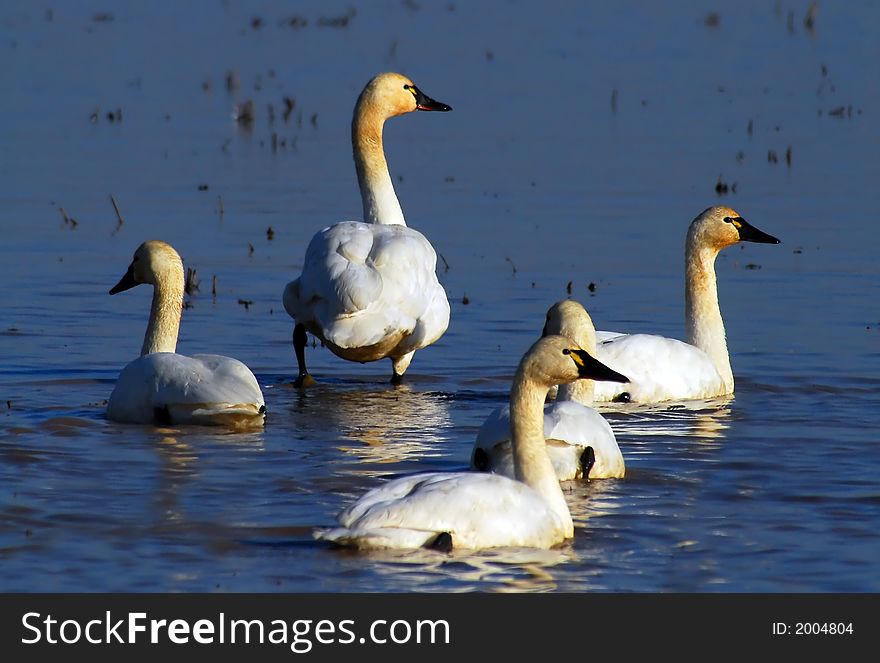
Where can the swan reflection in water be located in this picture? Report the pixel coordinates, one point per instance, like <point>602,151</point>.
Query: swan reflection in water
<point>492,569</point>
<point>179,461</point>
<point>704,420</point>
<point>381,425</point>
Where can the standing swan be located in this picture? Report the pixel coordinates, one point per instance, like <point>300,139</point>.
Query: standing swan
<point>369,290</point>
<point>662,368</point>
<point>476,510</point>
<point>580,442</point>
<point>164,387</point>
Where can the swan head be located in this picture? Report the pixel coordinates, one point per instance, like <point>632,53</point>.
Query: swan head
<point>719,227</point>
<point>556,360</point>
<point>391,94</point>
<point>152,260</point>
<point>570,319</point>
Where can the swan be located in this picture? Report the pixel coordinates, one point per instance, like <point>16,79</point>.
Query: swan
<point>662,368</point>
<point>163,387</point>
<point>580,441</point>
<point>480,510</point>
<point>369,289</point>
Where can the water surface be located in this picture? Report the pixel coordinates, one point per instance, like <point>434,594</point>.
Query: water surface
<point>583,141</point>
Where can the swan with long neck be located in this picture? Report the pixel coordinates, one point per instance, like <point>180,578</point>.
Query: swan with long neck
<point>580,442</point>
<point>163,387</point>
<point>369,289</point>
<point>477,510</point>
<point>662,368</point>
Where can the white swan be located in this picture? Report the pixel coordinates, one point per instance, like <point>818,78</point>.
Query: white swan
<point>164,387</point>
<point>580,442</point>
<point>369,290</point>
<point>662,368</point>
<point>476,510</point>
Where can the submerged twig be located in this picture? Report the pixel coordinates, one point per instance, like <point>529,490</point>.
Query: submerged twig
<point>119,219</point>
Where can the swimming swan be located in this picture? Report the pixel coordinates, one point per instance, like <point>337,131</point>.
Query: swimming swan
<point>369,290</point>
<point>580,442</point>
<point>663,368</point>
<point>164,387</point>
<point>480,510</point>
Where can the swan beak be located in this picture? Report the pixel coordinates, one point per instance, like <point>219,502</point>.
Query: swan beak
<point>425,103</point>
<point>589,367</point>
<point>748,232</point>
<point>126,282</point>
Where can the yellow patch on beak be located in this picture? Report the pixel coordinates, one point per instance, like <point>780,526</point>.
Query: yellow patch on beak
<point>577,359</point>
<point>736,223</point>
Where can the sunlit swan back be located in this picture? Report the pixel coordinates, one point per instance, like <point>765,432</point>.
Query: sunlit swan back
<point>164,387</point>
<point>580,441</point>
<point>477,510</point>
<point>667,369</point>
<point>369,290</point>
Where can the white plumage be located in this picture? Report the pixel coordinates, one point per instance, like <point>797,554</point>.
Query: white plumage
<point>369,289</point>
<point>662,369</point>
<point>580,441</point>
<point>474,510</point>
<point>363,284</point>
<point>164,387</point>
<point>659,369</point>
<point>570,428</point>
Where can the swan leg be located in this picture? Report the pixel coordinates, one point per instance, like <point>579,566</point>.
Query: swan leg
<point>162,415</point>
<point>588,459</point>
<point>442,542</point>
<point>399,366</point>
<point>300,338</point>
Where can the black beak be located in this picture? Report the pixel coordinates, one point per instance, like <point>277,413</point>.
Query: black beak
<point>126,282</point>
<point>589,367</point>
<point>748,233</point>
<point>425,103</point>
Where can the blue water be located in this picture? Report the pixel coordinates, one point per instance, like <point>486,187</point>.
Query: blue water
<point>541,176</point>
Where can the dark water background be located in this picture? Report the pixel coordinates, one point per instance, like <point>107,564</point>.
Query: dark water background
<point>584,139</point>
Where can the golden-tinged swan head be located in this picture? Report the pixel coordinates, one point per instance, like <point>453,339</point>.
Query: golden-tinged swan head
<point>391,94</point>
<point>559,360</point>
<point>570,319</point>
<point>719,227</point>
<point>152,260</point>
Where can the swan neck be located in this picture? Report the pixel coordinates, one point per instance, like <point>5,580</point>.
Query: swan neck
<point>705,327</point>
<point>579,391</point>
<point>377,191</point>
<point>165,312</point>
<point>584,334</point>
<point>531,462</point>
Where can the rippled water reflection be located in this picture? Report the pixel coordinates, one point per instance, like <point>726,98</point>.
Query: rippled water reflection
<point>535,185</point>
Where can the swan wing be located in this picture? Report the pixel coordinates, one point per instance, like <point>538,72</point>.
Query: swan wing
<point>659,369</point>
<point>580,427</point>
<point>362,283</point>
<point>167,387</point>
<point>477,510</point>
<point>570,426</point>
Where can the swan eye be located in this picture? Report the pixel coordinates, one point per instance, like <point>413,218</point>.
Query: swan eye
<point>728,219</point>
<point>566,351</point>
